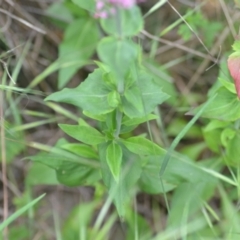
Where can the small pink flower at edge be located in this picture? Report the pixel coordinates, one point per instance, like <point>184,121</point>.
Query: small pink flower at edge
<point>99,5</point>
<point>234,69</point>
<point>102,6</point>
<point>123,3</point>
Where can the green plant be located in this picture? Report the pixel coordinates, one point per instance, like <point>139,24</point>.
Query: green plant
<point>200,25</point>
<point>189,170</point>
<point>121,94</point>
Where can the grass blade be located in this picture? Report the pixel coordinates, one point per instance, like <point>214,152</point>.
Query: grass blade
<point>19,212</point>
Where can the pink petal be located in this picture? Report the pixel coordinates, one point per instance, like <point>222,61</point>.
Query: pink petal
<point>123,3</point>
<point>99,5</point>
<point>234,69</point>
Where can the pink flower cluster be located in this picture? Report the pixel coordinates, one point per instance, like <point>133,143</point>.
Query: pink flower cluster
<point>123,3</point>
<point>104,8</point>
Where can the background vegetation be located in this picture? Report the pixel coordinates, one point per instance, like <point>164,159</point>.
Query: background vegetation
<point>193,195</point>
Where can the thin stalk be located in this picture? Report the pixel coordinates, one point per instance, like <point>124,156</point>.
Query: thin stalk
<point>118,22</point>
<point>120,86</point>
<point>181,135</point>
<point>4,167</point>
<point>119,116</point>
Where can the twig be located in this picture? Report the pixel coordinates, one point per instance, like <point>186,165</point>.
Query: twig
<point>22,21</point>
<point>229,19</point>
<point>175,44</point>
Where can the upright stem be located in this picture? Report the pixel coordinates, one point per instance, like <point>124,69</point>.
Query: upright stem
<point>120,79</point>
<point>118,22</point>
<point>119,116</point>
<point>4,166</point>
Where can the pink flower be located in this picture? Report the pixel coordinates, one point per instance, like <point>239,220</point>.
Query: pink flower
<point>123,3</point>
<point>104,8</point>
<point>99,5</point>
<point>234,69</point>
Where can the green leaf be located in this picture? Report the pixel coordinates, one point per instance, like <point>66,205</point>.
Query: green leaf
<point>19,212</point>
<point>114,159</point>
<point>86,134</point>
<point>91,95</point>
<point>73,174</point>
<point>236,45</point>
<point>151,92</point>
<point>228,85</point>
<point>135,121</point>
<point>225,106</point>
<point>227,134</point>
<point>119,54</point>
<point>129,22</point>
<point>180,169</point>
<point>163,78</point>
<point>134,96</point>
<point>113,99</point>
<point>100,118</point>
<point>89,5</point>
<point>79,43</point>
<point>81,150</point>
<point>213,133</point>
<point>39,174</point>
<point>189,197</point>
<point>233,150</point>
<point>68,171</point>
<point>122,191</point>
<point>60,12</point>
<point>213,139</point>
<point>216,124</point>
<point>142,146</point>
<point>151,95</point>
<point>109,80</point>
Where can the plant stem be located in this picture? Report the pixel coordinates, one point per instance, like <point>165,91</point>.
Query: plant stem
<point>119,116</point>
<point>118,22</point>
<point>4,161</point>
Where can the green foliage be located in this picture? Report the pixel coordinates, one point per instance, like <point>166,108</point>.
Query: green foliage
<point>142,146</point>
<point>225,106</point>
<point>20,232</point>
<point>107,149</point>
<point>118,54</point>
<point>91,95</point>
<point>14,141</point>
<point>142,97</point>
<point>179,170</point>
<point>80,216</point>
<point>121,94</point>
<point>79,42</point>
<point>19,212</point>
<point>126,23</point>
<point>199,24</point>
<point>121,191</point>
<point>81,150</point>
<point>85,134</point>
<point>60,12</point>
<point>69,170</point>
<point>236,46</point>
<point>114,159</point>
<point>39,174</point>
<point>88,5</point>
